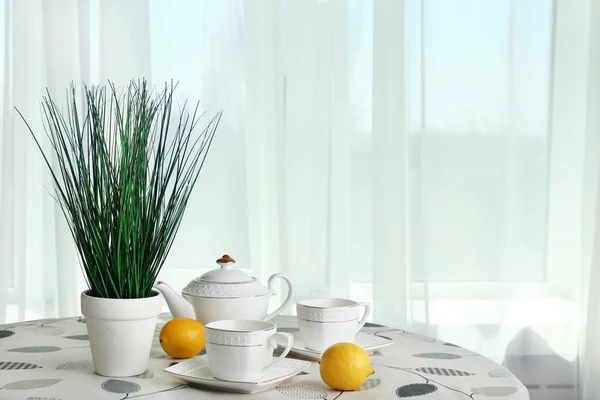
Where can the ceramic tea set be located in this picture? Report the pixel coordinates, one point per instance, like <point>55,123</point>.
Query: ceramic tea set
<point>240,341</point>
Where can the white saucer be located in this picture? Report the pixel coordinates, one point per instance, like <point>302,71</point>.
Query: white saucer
<point>196,372</point>
<point>369,342</point>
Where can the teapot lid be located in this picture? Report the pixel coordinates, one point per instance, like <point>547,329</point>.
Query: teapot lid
<point>225,282</point>
<point>226,274</point>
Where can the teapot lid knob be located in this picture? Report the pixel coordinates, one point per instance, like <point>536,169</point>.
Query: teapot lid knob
<point>227,273</point>
<point>225,260</point>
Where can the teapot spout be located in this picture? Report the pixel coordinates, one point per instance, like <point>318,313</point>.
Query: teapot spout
<point>179,307</point>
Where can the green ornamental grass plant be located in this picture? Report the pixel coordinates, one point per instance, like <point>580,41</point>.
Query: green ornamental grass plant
<point>125,169</point>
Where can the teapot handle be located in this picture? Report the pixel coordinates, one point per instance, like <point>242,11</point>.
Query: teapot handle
<point>288,299</point>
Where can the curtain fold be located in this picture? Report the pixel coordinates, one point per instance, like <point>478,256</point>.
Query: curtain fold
<point>390,243</point>
<point>264,118</point>
<point>64,49</point>
<point>124,36</point>
<point>26,200</point>
<point>589,360</point>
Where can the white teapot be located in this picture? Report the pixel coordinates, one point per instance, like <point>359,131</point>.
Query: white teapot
<point>224,293</point>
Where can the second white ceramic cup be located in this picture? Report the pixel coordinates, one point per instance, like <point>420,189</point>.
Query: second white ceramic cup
<point>242,350</point>
<point>324,322</point>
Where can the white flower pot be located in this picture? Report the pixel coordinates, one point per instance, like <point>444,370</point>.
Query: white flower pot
<point>120,332</point>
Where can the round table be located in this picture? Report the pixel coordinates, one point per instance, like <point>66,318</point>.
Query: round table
<point>51,359</point>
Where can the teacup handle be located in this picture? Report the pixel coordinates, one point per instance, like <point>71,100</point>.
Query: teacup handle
<point>290,342</point>
<point>288,299</point>
<point>363,320</point>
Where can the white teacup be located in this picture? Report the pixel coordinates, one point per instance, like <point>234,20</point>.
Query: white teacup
<point>242,350</point>
<point>324,322</point>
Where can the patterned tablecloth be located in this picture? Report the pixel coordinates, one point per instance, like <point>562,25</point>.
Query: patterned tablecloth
<point>51,359</point>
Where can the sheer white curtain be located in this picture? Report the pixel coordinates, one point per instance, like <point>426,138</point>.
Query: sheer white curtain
<point>436,157</point>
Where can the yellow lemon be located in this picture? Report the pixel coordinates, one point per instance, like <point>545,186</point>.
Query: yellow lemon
<point>345,366</point>
<point>182,337</point>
